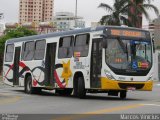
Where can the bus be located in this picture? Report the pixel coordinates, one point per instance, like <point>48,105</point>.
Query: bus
<point>104,59</point>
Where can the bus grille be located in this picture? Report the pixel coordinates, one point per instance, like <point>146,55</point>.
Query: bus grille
<point>126,85</point>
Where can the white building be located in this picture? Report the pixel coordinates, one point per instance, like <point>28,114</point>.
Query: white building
<point>154,28</point>
<point>2,28</point>
<point>156,63</point>
<point>67,21</point>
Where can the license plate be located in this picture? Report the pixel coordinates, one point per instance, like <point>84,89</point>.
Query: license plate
<point>131,88</point>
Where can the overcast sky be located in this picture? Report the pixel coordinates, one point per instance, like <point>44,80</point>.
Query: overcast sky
<point>86,8</point>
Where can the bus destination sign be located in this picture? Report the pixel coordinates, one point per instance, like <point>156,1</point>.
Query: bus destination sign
<point>128,33</point>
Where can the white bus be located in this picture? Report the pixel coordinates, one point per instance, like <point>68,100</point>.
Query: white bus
<point>107,59</point>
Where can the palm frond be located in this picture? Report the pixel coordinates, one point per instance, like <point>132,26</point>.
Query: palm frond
<point>143,11</point>
<point>151,7</point>
<point>106,7</point>
<point>126,21</point>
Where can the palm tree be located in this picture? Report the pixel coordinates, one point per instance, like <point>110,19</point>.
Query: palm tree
<point>141,7</point>
<point>126,12</point>
<point>118,11</point>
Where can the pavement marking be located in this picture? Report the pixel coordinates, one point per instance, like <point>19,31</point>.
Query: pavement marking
<point>157,84</point>
<point>102,111</point>
<point>114,109</point>
<point>9,100</point>
<point>151,105</point>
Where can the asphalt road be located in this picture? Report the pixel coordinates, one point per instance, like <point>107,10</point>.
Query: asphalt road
<point>14,100</point>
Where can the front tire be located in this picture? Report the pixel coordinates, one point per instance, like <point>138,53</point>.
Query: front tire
<point>123,94</point>
<point>81,91</point>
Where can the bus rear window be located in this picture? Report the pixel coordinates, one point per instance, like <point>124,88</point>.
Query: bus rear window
<point>9,53</point>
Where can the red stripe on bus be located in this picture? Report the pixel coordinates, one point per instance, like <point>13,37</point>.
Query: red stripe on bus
<point>9,70</point>
<point>58,80</point>
<point>21,64</point>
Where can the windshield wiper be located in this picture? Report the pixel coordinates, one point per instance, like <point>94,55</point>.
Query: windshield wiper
<point>122,45</point>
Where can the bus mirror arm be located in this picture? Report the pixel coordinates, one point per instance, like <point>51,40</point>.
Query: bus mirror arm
<point>104,42</point>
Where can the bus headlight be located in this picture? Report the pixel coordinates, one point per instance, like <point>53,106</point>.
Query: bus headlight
<point>109,75</point>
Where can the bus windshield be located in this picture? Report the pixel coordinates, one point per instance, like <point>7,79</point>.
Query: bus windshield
<point>129,57</point>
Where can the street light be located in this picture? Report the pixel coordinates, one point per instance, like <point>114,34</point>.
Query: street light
<point>76,15</point>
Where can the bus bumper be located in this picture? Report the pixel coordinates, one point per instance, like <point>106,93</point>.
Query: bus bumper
<point>107,84</point>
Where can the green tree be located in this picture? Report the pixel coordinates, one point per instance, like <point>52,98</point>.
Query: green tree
<point>13,33</point>
<point>121,12</point>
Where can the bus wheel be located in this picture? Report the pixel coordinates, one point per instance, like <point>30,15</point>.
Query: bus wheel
<point>28,85</point>
<point>81,88</point>
<point>123,94</point>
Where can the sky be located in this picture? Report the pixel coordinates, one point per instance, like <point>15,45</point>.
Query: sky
<point>88,9</point>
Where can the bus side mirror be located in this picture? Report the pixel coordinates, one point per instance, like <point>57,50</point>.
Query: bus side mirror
<point>153,46</point>
<point>105,43</point>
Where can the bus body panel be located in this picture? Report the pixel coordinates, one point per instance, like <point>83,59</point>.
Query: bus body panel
<point>66,68</point>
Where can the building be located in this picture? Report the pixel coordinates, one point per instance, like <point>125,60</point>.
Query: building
<point>1,16</point>
<point>95,24</point>
<point>35,11</point>
<point>2,28</point>
<point>157,32</point>
<point>151,28</point>
<point>154,28</point>
<point>66,21</point>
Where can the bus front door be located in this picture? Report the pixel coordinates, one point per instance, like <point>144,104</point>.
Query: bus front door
<point>16,66</point>
<point>50,64</point>
<point>96,63</point>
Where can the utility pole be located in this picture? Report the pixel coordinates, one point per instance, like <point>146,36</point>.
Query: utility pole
<point>76,15</point>
<point>1,29</point>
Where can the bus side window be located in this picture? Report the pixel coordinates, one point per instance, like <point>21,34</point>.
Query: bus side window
<point>65,47</point>
<point>9,53</point>
<point>28,53</point>
<point>81,45</point>
<point>39,50</point>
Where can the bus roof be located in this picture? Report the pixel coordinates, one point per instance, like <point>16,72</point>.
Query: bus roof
<point>65,33</point>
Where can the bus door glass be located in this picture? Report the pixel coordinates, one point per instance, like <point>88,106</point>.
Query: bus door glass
<point>96,62</point>
<point>16,66</point>
<point>8,64</point>
<point>50,63</point>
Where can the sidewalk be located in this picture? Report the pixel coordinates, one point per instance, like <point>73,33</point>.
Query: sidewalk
<point>156,82</point>
<point>1,82</point>
<point>2,85</point>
